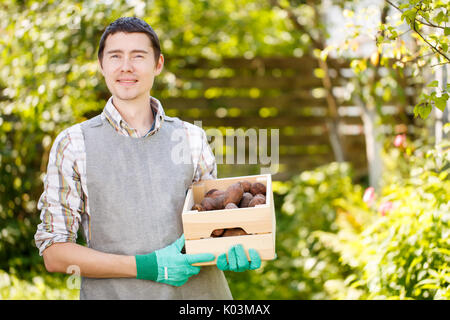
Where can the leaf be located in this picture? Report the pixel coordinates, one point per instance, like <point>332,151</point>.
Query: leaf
<point>430,286</point>
<point>447,31</point>
<point>423,110</point>
<point>444,46</point>
<point>440,17</point>
<point>441,102</point>
<point>433,84</point>
<point>409,15</point>
<point>443,250</point>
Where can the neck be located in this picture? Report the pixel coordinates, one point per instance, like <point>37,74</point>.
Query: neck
<point>136,113</point>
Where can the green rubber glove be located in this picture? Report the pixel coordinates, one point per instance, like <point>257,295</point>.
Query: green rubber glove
<point>237,260</point>
<point>169,265</point>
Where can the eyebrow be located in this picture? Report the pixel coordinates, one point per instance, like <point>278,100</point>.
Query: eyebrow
<point>121,51</point>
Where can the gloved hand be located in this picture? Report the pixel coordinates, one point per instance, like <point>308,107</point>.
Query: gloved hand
<point>237,260</point>
<point>169,265</point>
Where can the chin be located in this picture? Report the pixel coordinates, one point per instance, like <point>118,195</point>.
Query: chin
<point>126,97</point>
<point>125,94</point>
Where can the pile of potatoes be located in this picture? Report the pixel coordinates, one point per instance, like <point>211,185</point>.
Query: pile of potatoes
<point>242,194</point>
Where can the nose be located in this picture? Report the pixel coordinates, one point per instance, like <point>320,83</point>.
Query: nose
<point>126,65</point>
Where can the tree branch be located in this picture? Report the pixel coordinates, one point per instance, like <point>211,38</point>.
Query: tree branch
<point>438,64</point>
<point>433,47</point>
<point>427,23</point>
<point>333,124</point>
<point>317,44</point>
<point>416,31</point>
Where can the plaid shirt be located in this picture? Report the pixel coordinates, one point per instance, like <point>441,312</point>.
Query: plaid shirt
<point>64,204</point>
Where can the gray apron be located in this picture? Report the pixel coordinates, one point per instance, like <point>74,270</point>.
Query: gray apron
<point>136,195</point>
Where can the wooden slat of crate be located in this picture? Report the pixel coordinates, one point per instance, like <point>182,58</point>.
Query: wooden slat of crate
<point>263,243</point>
<point>253,220</point>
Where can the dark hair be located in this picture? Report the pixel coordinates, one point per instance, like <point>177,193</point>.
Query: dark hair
<point>128,25</point>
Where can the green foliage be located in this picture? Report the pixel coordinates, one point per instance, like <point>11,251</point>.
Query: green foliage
<point>420,16</point>
<point>405,253</point>
<point>47,287</point>
<point>415,44</point>
<point>47,82</point>
<point>333,245</point>
<point>438,98</point>
<point>412,241</point>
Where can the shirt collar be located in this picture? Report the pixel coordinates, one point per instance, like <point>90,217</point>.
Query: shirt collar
<point>120,125</point>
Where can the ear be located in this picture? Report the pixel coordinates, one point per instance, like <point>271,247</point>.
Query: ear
<point>160,64</point>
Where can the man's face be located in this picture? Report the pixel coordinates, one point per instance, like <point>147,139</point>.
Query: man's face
<point>129,65</point>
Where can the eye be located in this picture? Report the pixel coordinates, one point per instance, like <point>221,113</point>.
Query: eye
<point>138,56</point>
<point>114,56</point>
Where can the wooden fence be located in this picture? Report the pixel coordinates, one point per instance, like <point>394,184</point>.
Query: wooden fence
<point>267,93</point>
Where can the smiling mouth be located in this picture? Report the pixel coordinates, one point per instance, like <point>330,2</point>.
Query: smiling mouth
<point>127,82</point>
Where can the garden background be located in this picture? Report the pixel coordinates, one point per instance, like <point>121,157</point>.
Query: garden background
<point>358,91</point>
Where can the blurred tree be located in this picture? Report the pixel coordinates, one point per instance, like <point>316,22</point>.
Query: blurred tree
<point>307,17</point>
<point>371,102</point>
<point>310,18</point>
<point>428,20</point>
<point>392,68</point>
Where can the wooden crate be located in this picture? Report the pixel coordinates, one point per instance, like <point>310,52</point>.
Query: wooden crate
<point>258,222</point>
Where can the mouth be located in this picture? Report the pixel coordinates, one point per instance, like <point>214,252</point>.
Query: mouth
<point>127,82</point>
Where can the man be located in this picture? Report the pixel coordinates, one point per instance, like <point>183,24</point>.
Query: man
<point>115,175</point>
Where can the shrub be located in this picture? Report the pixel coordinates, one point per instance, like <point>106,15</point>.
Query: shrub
<point>402,252</point>
<point>331,244</point>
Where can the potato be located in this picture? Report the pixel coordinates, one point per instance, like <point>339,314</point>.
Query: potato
<point>233,194</point>
<point>198,207</point>
<point>258,199</point>
<point>208,204</point>
<point>217,233</point>
<point>231,205</point>
<point>219,202</point>
<point>246,185</point>
<point>257,188</point>
<point>214,193</point>
<point>246,198</point>
<point>210,192</point>
<point>212,203</point>
<point>234,232</point>
<point>218,196</point>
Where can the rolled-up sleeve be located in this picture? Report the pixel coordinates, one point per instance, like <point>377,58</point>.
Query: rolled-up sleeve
<point>62,199</point>
<point>207,166</point>
<point>203,158</point>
